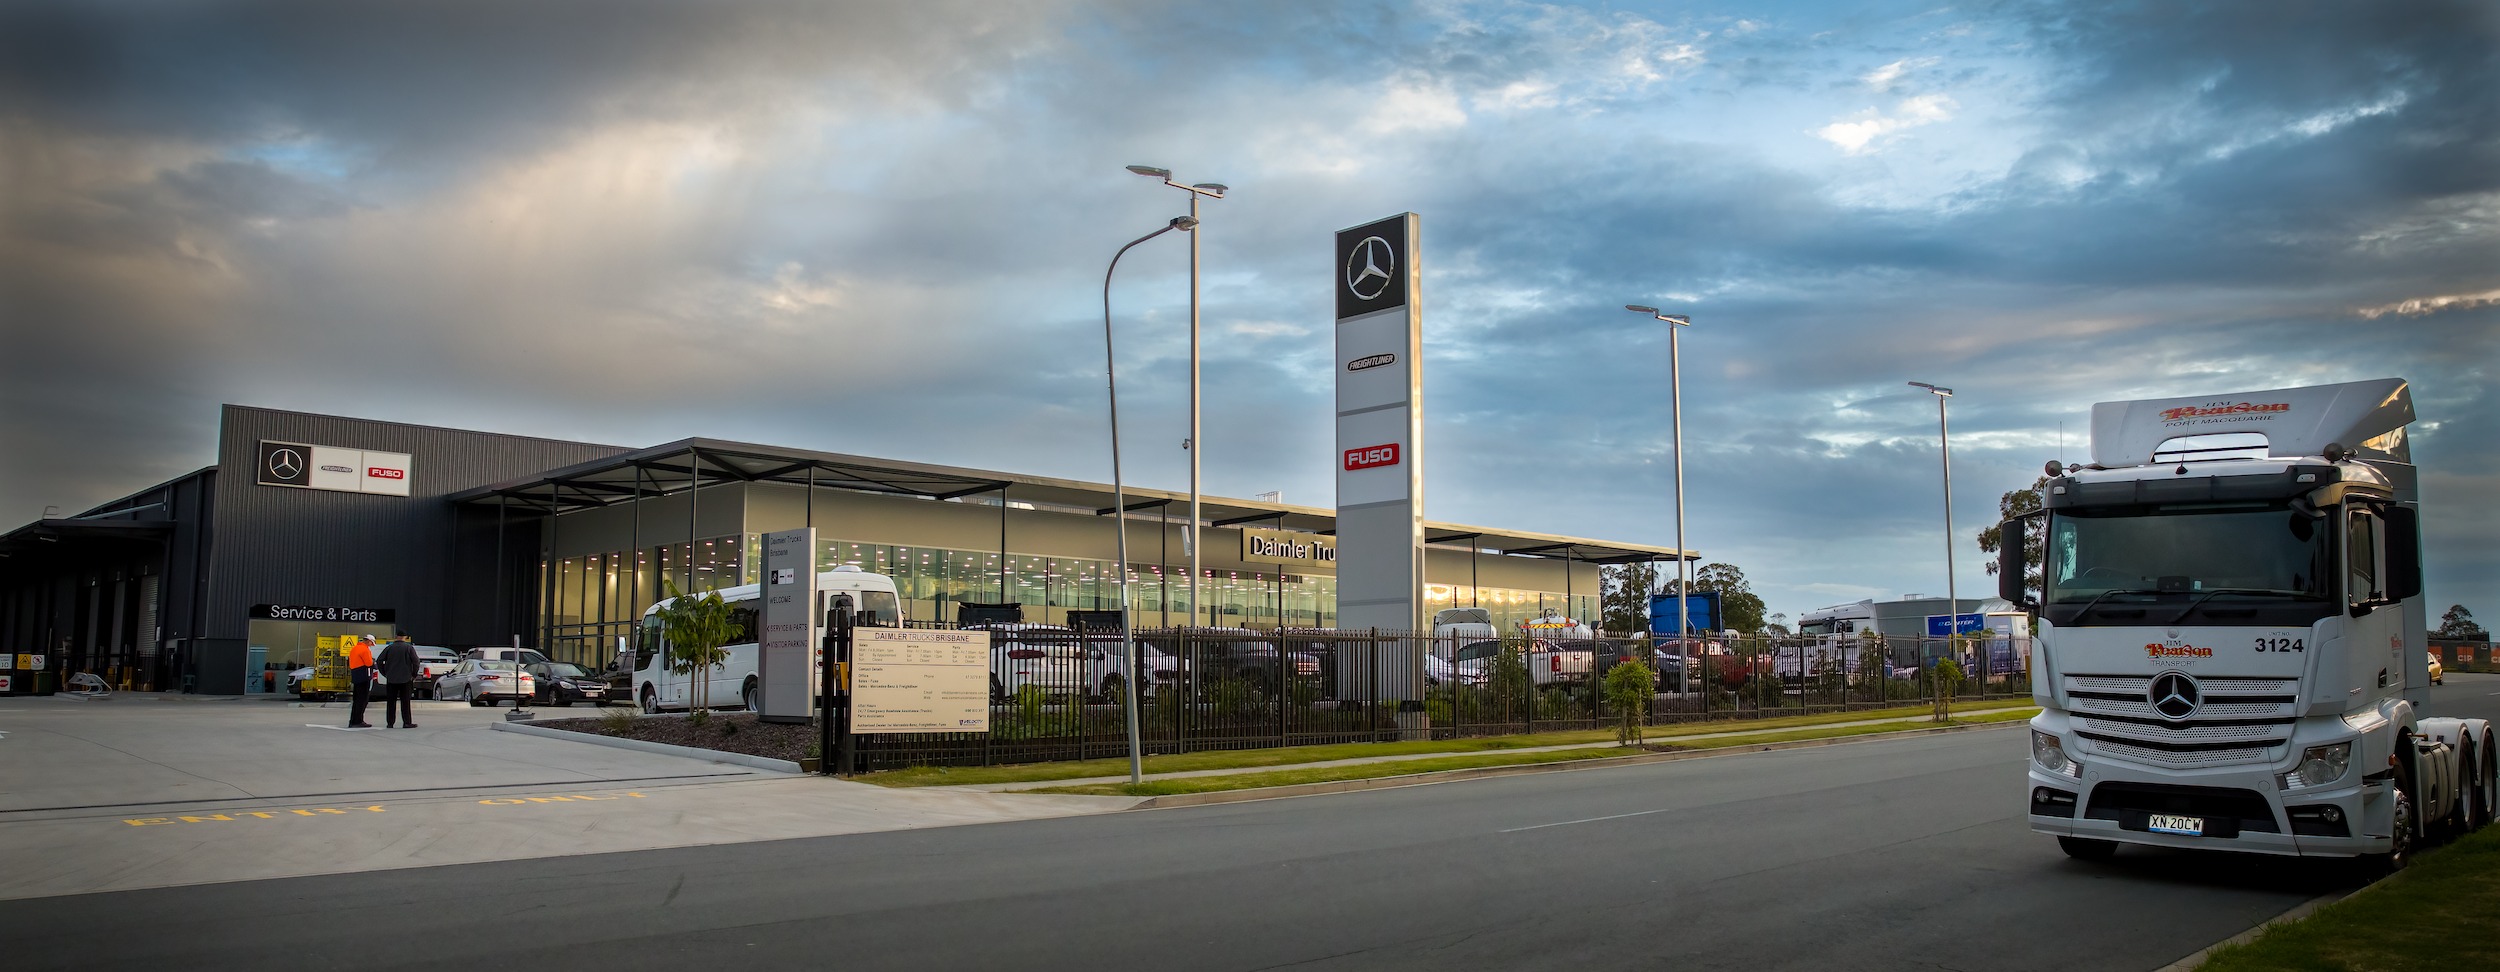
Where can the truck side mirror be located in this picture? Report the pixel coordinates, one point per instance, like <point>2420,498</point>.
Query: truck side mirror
<point>2404,552</point>
<point>2012,563</point>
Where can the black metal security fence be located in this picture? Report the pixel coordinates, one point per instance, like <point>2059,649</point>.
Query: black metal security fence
<point>1058,692</point>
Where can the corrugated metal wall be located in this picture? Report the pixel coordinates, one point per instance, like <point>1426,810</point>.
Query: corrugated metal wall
<point>281,545</point>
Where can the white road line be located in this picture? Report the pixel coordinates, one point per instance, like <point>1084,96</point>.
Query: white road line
<point>1566,823</point>
<point>316,725</point>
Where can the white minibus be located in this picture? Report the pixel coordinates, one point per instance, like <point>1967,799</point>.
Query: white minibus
<point>657,687</point>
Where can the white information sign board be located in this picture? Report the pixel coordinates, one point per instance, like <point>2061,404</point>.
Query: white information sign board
<point>905,680</point>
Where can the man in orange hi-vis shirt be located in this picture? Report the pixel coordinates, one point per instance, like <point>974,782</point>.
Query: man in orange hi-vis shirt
<point>360,681</point>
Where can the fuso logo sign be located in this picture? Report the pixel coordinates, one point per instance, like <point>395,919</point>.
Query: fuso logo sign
<point>381,472</point>
<point>1369,456</point>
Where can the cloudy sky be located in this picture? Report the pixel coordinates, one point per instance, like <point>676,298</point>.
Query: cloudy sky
<point>617,221</point>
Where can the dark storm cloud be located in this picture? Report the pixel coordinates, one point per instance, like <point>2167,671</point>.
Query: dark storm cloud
<point>420,80</point>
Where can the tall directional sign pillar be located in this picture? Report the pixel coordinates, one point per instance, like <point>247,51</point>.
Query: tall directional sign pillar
<point>1380,427</point>
<point>786,648</point>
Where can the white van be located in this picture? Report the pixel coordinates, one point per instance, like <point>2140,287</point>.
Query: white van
<point>874,603</point>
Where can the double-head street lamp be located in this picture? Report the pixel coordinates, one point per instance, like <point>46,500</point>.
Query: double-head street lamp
<point>1214,191</point>
<point>1952,605</point>
<point>1675,384</point>
<point>1119,501</point>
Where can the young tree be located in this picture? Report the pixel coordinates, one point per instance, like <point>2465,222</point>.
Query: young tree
<point>1624,603</point>
<point>696,627</point>
<point>2458,624</point>
<point>2013,503</point>
<point>1628,689</point>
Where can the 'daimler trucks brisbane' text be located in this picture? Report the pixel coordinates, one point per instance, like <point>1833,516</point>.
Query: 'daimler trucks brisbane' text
<point>2231,652</point>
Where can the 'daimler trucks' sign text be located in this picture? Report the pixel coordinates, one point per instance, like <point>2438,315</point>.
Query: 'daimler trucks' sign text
<point>1263,546</point>
<point>906,680</point>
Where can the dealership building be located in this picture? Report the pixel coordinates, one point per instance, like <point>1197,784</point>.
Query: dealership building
<point>313,526</point>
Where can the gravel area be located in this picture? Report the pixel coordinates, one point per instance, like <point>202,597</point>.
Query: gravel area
<point>726,732</point>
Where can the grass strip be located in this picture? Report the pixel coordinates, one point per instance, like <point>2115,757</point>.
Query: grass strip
<point>1366,771</point>
<point>2434,916</point>
<point>1291,755</point>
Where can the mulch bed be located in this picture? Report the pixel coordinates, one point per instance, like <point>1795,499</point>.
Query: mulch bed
<point>728,733</point>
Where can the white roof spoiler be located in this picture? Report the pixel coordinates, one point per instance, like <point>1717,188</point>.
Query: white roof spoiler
<point>2365,417</point>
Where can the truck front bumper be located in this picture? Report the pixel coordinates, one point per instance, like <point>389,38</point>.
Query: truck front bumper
<point>2242,809</point>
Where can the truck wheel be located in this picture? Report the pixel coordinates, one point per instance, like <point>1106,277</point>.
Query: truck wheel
<point>2486,786</point>
<point>2088,848</point>
<point>650,701</point>
<point>2400,844</point>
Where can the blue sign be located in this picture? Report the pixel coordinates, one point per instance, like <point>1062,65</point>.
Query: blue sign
<point>1701,610</point>
<point>1969,623</point>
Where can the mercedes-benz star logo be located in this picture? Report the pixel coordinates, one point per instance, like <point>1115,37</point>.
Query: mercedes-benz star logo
<point>286,464</point>
<point>1368,266</point>
<point>2174,695</point>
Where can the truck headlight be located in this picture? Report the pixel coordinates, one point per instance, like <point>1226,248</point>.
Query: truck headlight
<point>2318,766</point>
<point>2051,755</point>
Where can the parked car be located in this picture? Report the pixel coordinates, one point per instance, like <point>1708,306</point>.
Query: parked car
<point>1437,671</point>
<point>1548,663</point>
<point>2439,672</point>
<point>1046,656</point>
<point>481,682</point>
<point>432,664</point>
<point>526,656</point>
<point>1562,662</point>
<point>295,682</point>
<point>1162,669</point>
<point>1606,654</point>
<point>1244,654</point>
<point>1474,662</point>
<point>565,683</point>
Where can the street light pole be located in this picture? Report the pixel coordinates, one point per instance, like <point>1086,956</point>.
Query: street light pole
<point>1944,444</point>
<point>1119,503</point>
<point>1195,191</point>
<point>1676,323</point>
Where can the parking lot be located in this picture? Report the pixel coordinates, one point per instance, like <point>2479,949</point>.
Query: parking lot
<point>142,791</point>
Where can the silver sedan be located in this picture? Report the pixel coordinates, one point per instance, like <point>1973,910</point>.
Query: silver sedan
<point>485,683</point>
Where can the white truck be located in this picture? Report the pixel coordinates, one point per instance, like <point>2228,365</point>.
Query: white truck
<point>2231,653</point>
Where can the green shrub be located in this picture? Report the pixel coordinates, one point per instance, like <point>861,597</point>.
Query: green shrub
<point>1556,704</point>
<point>1303,692</point>
<point>1506,677</point>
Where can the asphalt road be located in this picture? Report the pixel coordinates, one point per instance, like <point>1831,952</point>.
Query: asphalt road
<point>1894,854</point>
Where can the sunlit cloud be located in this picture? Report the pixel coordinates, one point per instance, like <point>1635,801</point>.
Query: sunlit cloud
<point>1866,131</point>
<point>2422,306</point>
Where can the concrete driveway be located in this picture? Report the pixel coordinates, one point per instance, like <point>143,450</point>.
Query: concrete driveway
<point>144,791</point>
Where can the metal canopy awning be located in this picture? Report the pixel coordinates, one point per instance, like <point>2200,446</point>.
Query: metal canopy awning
<point>674,467</point>
<point>58,533</point>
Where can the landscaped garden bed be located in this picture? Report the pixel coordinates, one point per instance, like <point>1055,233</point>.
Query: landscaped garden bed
<point>726,732</point>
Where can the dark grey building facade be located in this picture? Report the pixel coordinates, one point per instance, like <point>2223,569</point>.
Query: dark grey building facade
<point>311,528</point>
<point>162,589</point>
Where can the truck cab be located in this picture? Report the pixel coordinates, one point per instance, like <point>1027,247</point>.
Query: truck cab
<point>2231,644</point>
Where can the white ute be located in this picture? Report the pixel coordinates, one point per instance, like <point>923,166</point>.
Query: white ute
<point>2231,653</point>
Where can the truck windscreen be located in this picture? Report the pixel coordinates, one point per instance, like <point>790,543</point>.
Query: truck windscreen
<point>2238,563</point>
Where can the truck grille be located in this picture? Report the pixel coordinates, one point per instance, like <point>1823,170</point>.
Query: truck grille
<point>2240,720</point>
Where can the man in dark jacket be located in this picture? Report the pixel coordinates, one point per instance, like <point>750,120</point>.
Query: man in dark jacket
<point>399,673</point>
